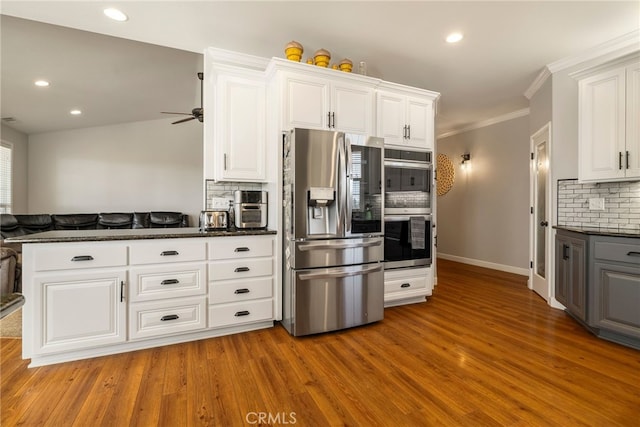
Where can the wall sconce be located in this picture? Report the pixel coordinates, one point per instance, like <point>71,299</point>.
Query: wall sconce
<point>466,161</point>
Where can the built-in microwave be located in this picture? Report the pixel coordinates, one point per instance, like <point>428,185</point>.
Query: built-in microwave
<point>408,177</point>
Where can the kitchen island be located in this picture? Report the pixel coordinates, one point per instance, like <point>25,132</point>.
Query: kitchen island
<point>97,292</point>
<point>598,280</point>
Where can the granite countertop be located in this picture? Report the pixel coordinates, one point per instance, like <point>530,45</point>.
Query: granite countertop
<point>58,236</point>
<point>600,231</point>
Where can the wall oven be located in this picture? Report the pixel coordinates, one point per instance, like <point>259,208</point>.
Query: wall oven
<point>408,228</point>
<point>407,241</point>
<point>408,177</point>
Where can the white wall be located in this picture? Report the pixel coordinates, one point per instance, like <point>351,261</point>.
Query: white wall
<point>140,166</point>
<point>484,218</point>
<point>20,143</point>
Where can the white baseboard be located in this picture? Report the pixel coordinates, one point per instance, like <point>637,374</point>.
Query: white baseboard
<point>485,264</point>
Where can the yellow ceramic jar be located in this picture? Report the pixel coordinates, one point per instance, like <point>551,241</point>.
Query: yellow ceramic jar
<point>321,58</point>
<point>345,65</point>
<point>293,50</point>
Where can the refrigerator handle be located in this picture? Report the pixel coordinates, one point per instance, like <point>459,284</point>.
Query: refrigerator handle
<point>340,272</point>
<point>348,169</point>
<point>341,183</point>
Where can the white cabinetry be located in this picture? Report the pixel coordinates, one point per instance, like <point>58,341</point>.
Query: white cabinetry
<point>241,280</point>
<point>321,102</point>
<point>405,121</point>
<point>405,286</point>
<point>234,124</point>
<point>76,298</point>
<point>167,289</point>
<point>609,122</point>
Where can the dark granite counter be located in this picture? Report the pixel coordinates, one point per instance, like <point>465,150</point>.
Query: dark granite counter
<point>600,231</point>
<point>58,236</point>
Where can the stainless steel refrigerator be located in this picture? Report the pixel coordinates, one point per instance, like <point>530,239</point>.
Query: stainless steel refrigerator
<point>333,231</point>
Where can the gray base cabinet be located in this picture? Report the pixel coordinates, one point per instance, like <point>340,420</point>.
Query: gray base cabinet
<point>571,273</point>
<point>615,285</point>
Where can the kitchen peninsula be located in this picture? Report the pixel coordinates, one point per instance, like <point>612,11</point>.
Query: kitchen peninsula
<point>97,292</point>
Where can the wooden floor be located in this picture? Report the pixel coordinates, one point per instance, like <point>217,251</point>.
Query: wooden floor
<point>484,350</point>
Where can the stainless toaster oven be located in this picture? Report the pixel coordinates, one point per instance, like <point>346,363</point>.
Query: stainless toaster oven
<point>250,209</point>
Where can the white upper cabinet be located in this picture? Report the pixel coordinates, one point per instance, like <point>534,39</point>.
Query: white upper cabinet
<point>609,123</point>
<point>235,123</point>
<point>405,120</point>
<point>326,102</point>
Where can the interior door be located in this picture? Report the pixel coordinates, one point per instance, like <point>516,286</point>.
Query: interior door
<point>541,213</point>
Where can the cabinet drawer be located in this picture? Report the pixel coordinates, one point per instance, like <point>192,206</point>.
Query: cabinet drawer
<point>155,318</point>
<point>240,269</point>
<point>234,291</point>
<point>171,281</point>
<point>240,312</point>
<point>241,247</point>
<point>621,252</point>
<point>168,250</point>
<point>63,257</point>
<point>406,284</point>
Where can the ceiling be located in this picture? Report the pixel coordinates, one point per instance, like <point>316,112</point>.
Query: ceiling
<point>121,72</point>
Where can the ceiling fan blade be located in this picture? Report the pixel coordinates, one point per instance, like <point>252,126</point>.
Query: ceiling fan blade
<point>183,120</point>
<point>169,112</point>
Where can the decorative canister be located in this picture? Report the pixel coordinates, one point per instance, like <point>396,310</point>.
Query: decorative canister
<point>293,50</point>
<point>345,65</point>
<point>322,57</point>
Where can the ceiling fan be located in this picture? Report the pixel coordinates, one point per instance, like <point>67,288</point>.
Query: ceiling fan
<point>196,113</point>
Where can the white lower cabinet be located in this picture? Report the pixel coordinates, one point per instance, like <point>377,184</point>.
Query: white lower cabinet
<point>241,280</point>
<point>77,310</point>
<point>406,286</point>
<point>90,299</point>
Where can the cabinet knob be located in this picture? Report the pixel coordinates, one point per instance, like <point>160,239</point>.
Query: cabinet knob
<point>544,223</point>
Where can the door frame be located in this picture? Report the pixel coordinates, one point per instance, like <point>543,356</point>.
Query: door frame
<point>543,133</point>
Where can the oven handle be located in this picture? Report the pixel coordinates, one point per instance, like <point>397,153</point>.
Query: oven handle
<point>338,273</point>
<point>400,218</point>
<point>408,165</point>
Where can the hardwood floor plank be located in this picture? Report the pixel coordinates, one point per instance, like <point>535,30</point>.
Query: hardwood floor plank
<point>482,351</point>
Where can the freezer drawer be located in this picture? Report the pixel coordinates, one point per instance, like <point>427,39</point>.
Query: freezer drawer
<point>329,299</point>
<point>322,253</point>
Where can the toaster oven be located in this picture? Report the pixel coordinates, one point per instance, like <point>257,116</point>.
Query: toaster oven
<point>250,209</point>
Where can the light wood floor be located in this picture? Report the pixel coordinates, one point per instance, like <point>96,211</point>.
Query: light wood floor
<point>484,350</point>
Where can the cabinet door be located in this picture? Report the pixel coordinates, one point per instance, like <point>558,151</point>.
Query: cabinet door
<point>241,130</point>
<point>617,298</point>
<point>391,118</point>
<point>577,285</point>
<point>562,270</point>
<point>420,123</point>
<point>602,126</point>
<point>306,102</point>
<point>352,108</point>
<point>79,311</point>
<point>633,120</point>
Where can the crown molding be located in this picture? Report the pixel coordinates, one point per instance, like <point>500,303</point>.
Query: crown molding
<point>484,123</point>
<point>537,83</point>
<point>623,45</point>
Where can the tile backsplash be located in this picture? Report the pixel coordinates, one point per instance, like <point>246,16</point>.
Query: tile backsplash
<point>621,204</point>
<point>225,190</point>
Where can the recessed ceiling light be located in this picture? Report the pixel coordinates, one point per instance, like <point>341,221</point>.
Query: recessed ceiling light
<point>75,112</point>
<point>41,83</point>
<point>454,37</point>
<point>115,14</point>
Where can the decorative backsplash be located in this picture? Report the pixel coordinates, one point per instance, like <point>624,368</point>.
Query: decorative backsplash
<point>225,190</point>
<point>621,204</point>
